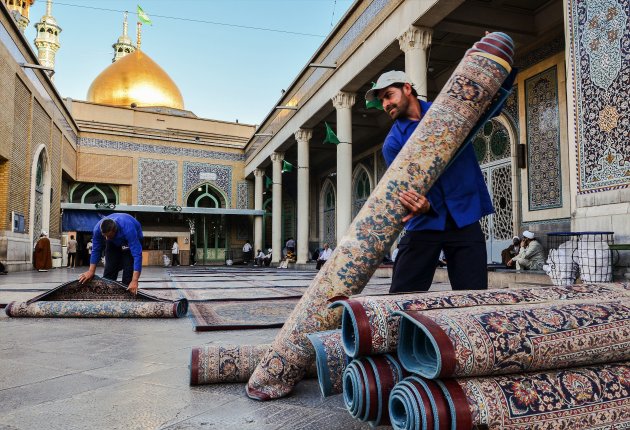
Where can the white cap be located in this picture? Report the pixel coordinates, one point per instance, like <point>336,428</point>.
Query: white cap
<point>528,234</point>
<point>44,233</point>
<point>385,80</point>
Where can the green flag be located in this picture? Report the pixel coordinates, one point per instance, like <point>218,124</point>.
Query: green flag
<point>268,182</point>
<point>286,166</point>
<point>331,137</point>
<point>143,17</point>
<point>374,104</point>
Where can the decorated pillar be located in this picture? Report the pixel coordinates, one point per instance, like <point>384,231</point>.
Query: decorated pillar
<point>276,227</point>
<point>303,136</point>
<point>259,175</point>
<point>414,43</point>
<point>343,102</point>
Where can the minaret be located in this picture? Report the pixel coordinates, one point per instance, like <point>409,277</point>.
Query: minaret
<point>47,39</point>
<point>19,9</point>
<point>124,45</point>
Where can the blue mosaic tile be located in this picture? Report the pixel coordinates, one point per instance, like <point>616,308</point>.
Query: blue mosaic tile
<point>600,49</point>
<point>159,149</point>
<point>193,177</point>
<point>242,195</point>
<point>157,182</point>
<point>543,140</point>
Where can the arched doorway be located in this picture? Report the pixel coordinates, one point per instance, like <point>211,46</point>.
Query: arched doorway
<point>288,220</point>
<point>40,193</point>
<point>210,236</point>
<point>328,213</point>
<point>492,146</point>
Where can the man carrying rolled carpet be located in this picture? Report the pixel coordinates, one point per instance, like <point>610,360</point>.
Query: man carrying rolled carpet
<point>448,216</point>
<point>121,236</point>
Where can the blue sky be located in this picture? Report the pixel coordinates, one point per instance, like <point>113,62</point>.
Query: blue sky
<point>223,72</point>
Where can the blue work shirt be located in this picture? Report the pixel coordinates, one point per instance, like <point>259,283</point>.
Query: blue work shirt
<point>129,233</point>
<point>460,191</point>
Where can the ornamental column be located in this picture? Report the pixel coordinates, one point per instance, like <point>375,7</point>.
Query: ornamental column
<point>276,212</point>
<point>303,136</point>
<point>259,175</point>
<point>414,43</point>
<point>343,102</point>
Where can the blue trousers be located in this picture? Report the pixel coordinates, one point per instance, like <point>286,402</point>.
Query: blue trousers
<point>419,252</point>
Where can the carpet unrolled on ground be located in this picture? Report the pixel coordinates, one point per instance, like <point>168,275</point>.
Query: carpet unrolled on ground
<point>370,325</point>
<point>99,298</point>
<point>465,98</point>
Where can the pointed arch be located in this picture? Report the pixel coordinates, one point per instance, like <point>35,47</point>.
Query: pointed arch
<point>41,182</point>
<point>88,193</point>
<point>205,194</point>
<point>328,213</point>
<point>362,186</point>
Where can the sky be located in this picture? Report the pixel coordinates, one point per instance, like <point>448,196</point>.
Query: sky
<point>224,72</point>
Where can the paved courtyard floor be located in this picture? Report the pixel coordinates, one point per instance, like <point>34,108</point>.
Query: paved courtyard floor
<point>65,373</point>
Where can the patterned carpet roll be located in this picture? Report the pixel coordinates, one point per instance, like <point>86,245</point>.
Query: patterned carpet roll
<point>330,360</point>
<point>100,298</point>
<point>367,383</point>
<point>593,397</point>
<point>212,364</point>
<point>417,403</point>
<point>465,97</point>
<point>492,340</point>
<point>370,326</point>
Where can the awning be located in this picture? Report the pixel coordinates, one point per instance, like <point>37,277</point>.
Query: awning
<point>83,221</point>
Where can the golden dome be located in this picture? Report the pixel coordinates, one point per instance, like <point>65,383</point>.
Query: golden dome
<point>135,78</point>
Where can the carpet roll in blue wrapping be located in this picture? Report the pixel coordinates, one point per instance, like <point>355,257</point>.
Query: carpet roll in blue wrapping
<point>367,383</point>
<point>417,403</point>
<point>330,360</point>
<point>490,340</point>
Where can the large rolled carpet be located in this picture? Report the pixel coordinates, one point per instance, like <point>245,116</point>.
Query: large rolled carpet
<point>593,397</point>
<point>367,384</point>
<point>100,298</point>
<point>330,360</point>
<point>459,106</point>
<point>491,340</point>
<point>212,364</point>
<point>370,325</point>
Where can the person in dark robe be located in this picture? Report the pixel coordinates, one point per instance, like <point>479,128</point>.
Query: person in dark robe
<point>42,259</point>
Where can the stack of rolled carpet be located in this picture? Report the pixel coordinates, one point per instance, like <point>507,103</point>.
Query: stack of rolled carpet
<point>543,357</point>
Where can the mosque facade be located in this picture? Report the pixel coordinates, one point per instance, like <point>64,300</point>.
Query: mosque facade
<point>557,158</point>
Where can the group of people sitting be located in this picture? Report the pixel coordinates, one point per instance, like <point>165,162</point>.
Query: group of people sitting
<point>524,254</point>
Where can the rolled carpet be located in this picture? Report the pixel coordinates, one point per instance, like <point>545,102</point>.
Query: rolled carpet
<point>221,364</point>
<point>100,298</point>
<point>418,403</point>
<point>492,340</point>
<point>593,397</point>
<point>369,324</point>
<point>367,383</point>
<point>466,96</point>
<point>330,360</point>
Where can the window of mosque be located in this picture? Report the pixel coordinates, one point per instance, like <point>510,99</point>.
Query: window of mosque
<point>205,196</point>
<point>88,193</point>
<point>362,187</point>
<point>39,175</point>
<point>120,50</point>
<point>330,198</point>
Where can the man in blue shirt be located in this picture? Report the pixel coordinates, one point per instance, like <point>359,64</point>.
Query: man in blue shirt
<point>447,218</point>
<point>121,236</point>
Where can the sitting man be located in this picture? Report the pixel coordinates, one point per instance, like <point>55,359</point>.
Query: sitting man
<point>531,255</point>
<point>323,256</point>
<point>511,251</point>
<point>260,257</point>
